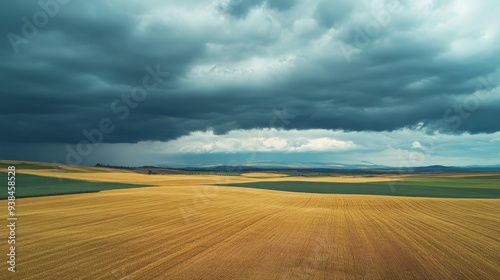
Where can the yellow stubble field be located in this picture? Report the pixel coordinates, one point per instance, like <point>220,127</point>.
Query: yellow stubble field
<point>182,228</point>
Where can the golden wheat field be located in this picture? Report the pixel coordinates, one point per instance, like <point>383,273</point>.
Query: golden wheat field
<point>183,228</point>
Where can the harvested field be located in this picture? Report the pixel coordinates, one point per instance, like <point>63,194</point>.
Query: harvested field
<point>183,228</point>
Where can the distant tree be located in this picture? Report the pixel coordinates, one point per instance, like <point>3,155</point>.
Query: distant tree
<point>150,172</point>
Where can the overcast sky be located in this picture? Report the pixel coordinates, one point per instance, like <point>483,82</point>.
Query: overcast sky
<point>265,81</point>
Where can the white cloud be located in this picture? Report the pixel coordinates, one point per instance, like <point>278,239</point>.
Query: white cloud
<point>417,146</point>
<point>323,144</point>
<point>259,140</point>
<point>388,148</point>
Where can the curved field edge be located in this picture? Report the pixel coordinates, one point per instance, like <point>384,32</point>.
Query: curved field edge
<point>35,186</point>
<point>242,233</point>
<point>393,188</point>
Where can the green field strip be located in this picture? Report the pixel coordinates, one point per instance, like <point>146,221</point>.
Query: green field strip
<point>35,186</point>
<point>395,188</point>
<point>468,182</point>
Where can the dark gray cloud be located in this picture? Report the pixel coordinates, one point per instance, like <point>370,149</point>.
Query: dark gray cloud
<point>330,14</point>
<point>240,8</point>
<point>232,64</point>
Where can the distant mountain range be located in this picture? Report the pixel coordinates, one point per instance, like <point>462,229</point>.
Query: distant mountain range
<point>314,168</point>
<point>330,168</point>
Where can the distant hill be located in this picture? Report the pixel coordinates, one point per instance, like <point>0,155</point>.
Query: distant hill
<point>327,169</point>
<point>297,169</point>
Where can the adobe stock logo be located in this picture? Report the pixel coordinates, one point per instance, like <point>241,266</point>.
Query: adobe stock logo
<point>40,19</point>
<point>371,30</point>
<point>121,107</point>
<point>460,111</point>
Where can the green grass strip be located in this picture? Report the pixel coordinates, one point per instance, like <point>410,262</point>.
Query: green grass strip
<point>397,188</point>
<point>34,186</point>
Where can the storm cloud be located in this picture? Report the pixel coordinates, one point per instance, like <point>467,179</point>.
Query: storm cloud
<point>239,65</point>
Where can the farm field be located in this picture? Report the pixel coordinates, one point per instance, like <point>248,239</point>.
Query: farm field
<point>184,227</point>
<point>34,186</point>
<point>426,188</point>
